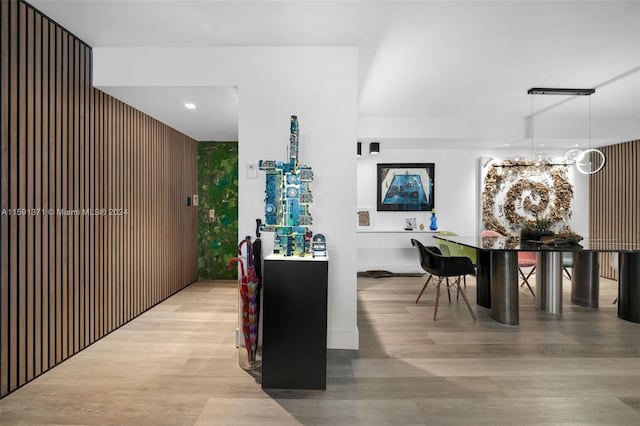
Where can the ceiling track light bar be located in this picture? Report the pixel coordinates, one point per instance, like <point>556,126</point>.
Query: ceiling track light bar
<point>552,91</point>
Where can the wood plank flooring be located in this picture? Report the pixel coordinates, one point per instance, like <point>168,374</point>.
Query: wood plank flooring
<point>177,365</point>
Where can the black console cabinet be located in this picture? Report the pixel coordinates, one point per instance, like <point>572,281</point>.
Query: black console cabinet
<point>294,340</point>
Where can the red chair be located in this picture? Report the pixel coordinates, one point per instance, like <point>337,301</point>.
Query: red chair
<point>527,259</point>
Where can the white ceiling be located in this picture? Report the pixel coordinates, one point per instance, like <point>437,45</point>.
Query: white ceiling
<point>215,116</point>
<point>457,72</point>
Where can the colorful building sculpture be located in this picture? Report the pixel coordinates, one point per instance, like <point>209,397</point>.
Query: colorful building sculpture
<point>287,200</point>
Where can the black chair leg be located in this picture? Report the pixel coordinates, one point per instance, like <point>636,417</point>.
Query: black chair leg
<point>448,290</point>
<point>435,312</point>
<point>525,280</point>
<point>566,272</point>
<point>423,288</point>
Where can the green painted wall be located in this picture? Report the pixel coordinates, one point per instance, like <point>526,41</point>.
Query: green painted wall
<point>218,191</point>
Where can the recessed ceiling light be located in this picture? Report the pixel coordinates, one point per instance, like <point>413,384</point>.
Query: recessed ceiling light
<point>506,144</point>
<point>578,144</point>
<point>541,144</point>
<point>189,105</point>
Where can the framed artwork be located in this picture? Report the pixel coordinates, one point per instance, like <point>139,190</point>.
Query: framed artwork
<point>407,187</point>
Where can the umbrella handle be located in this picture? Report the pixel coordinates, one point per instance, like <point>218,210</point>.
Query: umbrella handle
<point>258,224</point>
<point>237,260</point>
<point>247,241</point>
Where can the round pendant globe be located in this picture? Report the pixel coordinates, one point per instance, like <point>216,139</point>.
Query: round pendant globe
<point>590,161</point>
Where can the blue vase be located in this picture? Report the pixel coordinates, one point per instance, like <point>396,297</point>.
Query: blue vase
<point>434,222</point>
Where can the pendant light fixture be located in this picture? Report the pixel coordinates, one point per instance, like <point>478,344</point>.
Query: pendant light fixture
<point>541,157</point>
<point>589,161</point>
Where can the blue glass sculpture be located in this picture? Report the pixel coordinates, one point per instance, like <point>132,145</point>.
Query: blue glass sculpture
<point>434,221</point>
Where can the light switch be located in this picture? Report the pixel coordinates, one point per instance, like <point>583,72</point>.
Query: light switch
<point>212,215</point>
<point>195,200</point>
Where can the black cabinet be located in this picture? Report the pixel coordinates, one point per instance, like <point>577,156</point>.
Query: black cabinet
<point>294,340</point>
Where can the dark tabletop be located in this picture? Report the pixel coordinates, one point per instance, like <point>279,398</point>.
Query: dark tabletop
<point>514,244</point>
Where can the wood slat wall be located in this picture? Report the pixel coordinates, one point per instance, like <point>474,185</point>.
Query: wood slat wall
<point>66,280</point>
<point>614,200</point>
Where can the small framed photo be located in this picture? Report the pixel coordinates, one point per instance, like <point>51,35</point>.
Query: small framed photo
<point>410,224</point>
<point>364,218</point>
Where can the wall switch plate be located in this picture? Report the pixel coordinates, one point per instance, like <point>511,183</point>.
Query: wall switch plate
<point>212,215</point>
<point>195,200</point>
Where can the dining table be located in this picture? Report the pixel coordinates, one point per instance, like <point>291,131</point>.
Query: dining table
<point>497,274</point>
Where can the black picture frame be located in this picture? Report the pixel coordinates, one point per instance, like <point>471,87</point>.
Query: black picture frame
<point>402,187</point>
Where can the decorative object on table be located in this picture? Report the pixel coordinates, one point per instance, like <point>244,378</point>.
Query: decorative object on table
<point>249,295</point>
<point>517,191</point>
<point>405,186</point>
<point>410,224</point>
<point>536,229</point>
<point>434,221</point>
<point>319,245</point>
<point>287,200</point>
<point>566,237</point>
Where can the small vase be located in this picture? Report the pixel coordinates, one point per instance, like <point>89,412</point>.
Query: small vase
<point>434,222</point>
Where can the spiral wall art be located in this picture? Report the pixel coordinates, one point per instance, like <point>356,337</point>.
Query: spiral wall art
<point>516,192</point>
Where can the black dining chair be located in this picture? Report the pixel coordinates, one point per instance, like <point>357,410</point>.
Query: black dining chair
<point>444,267</point>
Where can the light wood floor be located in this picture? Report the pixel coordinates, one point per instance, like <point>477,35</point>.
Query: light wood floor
<point>177,364</point>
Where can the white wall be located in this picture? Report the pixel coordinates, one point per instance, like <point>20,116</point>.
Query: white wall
<point>456,202</point>
<point>319,84</point>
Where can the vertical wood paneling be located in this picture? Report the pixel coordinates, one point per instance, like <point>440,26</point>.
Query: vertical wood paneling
<point>59,197</point>
<point>13,195</point>
<point>4,197</point>
<point>91,191</point>
<point>74,331</point>
<point>29,201</point>
<point>44,134</point>
<point>86,179</point>
<point>82,173</point>
<point>37,200</point>
<point>614,200</point>
<point>22,193</point>
<point>72,268</point>
<point>51,140</point>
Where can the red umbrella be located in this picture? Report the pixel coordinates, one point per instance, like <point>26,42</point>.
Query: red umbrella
<point>248,294</point>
